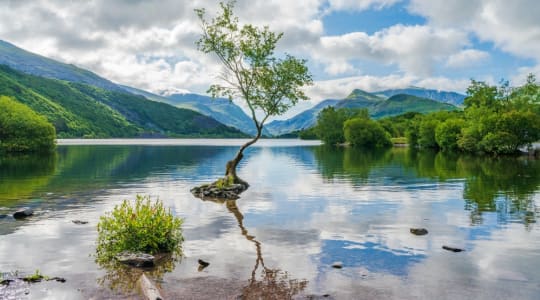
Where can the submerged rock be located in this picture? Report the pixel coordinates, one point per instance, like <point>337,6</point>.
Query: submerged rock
<point>419,231</point>
<point>23,213</point>
<point>79,222</point>
<point>139,260</point>
<point>318,297</point>
<point>453,249</point>
<point>203,263</point>
<point>149,290</point>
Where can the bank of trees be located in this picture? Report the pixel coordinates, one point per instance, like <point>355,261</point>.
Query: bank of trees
<point>22,130</point>
<point>352,126</point>
<point>494,120</point>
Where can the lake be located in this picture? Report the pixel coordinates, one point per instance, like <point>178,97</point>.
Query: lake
<point>307,208</point>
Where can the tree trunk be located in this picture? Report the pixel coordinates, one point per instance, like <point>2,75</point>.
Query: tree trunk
<point>230,168</point>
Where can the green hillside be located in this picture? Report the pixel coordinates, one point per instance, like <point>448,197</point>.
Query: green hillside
<point>79,110</point>
<point>400,104</point>
<point>377,106</point>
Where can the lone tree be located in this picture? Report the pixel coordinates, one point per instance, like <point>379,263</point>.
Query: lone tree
<point>267,84</point>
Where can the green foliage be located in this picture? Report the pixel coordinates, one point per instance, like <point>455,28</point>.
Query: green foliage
<point>308,134</point>
<point>363,132</point>
<point>426,133</point>
<point>22,130</point>
<point>496,120</point>
<point>329,126</point>
<point>480,94</point>
<point>224,182</point>
<point>144,226</point>
<point>252,72</point>
<point>447,134</point>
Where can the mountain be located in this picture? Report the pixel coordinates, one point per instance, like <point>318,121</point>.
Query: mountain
<point>377,105</point>
<point>441,96</point>
<point>30,63</point>
<point>81,110</point>
<point>401,103</point>
<point>220,109</point>
<point>303,120</point>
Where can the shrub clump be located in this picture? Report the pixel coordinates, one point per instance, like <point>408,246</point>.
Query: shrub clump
<point>145,227</point>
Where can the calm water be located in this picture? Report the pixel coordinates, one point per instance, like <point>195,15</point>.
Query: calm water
<point>308,207</point>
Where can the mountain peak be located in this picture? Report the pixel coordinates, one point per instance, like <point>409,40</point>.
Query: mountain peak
<point>358,94</point>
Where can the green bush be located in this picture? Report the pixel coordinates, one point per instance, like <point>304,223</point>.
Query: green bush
<point>366,133</point>
<point>23,130</point>
<point>426,133</point>
<point>448,133</point>
<point>145,227</point>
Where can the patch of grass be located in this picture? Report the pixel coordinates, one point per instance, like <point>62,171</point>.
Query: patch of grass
<point>224,182</point>
<point>399,140</point>
<point>140,226</point>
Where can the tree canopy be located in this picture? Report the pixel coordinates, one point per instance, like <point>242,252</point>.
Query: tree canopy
<point>268,84</point>
<point>23,130</point>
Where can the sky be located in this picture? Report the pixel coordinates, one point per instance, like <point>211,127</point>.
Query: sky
<point>366,44</point>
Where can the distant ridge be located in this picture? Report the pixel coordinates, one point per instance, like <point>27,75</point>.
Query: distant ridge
<point>441,96</point>
<point>34,64</point>
<point>378,105</point>
<point>220,109</point>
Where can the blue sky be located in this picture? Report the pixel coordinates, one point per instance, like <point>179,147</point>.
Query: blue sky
<point>366,44</point>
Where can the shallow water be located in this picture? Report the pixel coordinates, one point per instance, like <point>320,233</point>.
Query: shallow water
<point>308,206</point>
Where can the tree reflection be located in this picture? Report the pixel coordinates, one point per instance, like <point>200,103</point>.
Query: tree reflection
<point>354,164</point>
<point>272,283</point>
<point>502,185</point>
<point>20,175</point>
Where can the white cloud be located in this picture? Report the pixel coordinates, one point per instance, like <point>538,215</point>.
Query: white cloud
<point>511,25</point>
<point>150,44</point>
<point>415,49</point>
<point>360,4</point>
<point>466,58</point>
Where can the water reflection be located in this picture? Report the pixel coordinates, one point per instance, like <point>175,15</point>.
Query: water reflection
<point>122,279</point>
<point>271,283</point>
<point>309,207</point>
<point>503,185</point>
<point>20,176</point>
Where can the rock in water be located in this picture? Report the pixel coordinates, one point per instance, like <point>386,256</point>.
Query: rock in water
<point>337,265</point>
<point>150,291</point>
<point>23,213</point>
<point>419,231</point>
<point>79,222</point>
<point>203,263</point>
<point>452,249</point>
<point>139,260</point>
